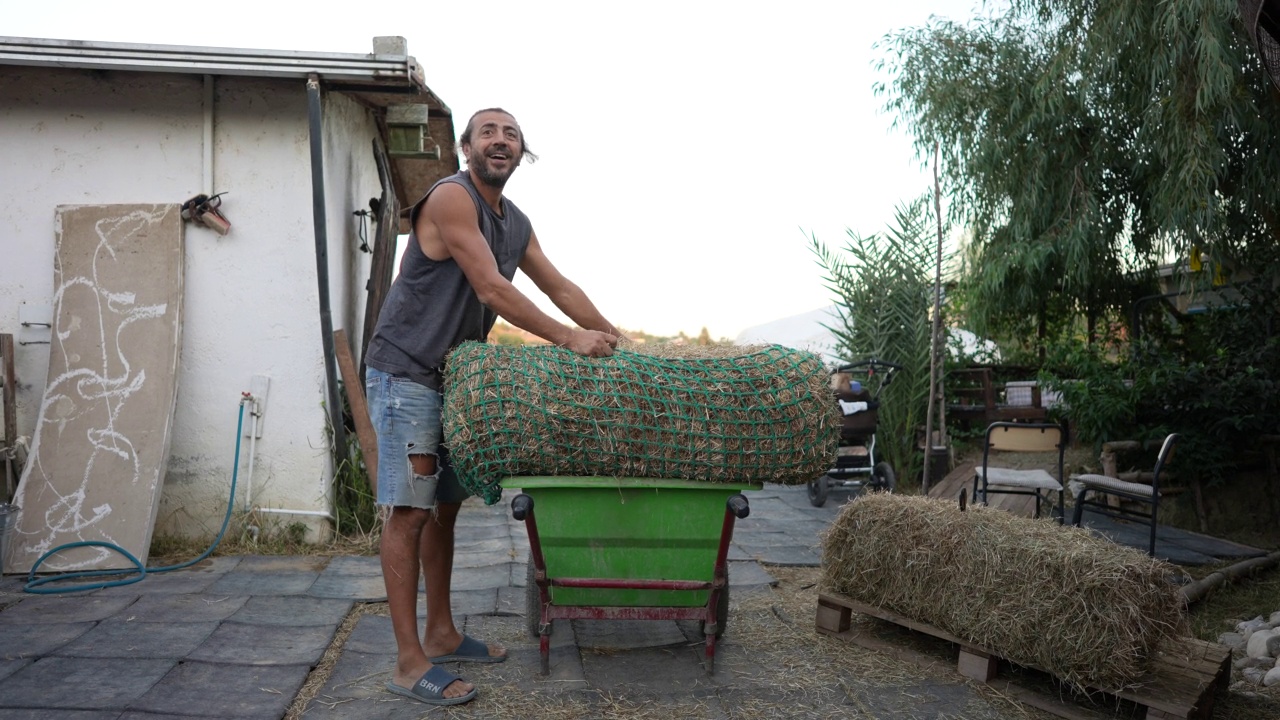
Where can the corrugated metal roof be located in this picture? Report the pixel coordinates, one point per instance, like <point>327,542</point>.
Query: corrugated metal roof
<point>376,69</point>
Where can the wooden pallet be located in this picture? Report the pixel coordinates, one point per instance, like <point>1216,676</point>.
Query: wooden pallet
<point>1182,682</point>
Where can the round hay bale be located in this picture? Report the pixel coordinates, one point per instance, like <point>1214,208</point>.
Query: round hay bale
<point>1037,593</point>
<point>718,414</point>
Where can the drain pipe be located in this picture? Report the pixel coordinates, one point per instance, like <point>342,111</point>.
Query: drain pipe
<point>322,268</point>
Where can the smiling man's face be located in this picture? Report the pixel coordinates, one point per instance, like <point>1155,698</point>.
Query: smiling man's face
<point>495,149</point>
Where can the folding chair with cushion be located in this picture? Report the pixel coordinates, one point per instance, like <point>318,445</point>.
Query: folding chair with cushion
<point>1101,486</point>
<point>1019,437</point>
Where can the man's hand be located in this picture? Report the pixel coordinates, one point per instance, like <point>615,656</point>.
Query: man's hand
<point>592,343</point>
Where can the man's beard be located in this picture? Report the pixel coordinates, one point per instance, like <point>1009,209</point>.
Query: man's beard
<point>493,178</point>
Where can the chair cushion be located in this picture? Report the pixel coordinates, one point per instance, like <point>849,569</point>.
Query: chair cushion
<point>1102,482</point>
<point>1038,479</point>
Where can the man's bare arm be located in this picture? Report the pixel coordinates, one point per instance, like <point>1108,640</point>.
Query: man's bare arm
<point>448,227</point>
<point>562,291</point>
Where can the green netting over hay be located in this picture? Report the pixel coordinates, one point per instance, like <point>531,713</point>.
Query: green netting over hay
<point>1037,593</point>
<point>724,415</point>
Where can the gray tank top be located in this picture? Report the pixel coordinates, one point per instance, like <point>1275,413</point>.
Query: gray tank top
<point>431,308</point>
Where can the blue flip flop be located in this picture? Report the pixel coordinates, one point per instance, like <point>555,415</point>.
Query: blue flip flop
<point>430,688</point>
<point>470,650</point>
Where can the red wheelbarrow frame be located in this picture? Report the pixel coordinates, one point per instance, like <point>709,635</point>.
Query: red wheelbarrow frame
<point>522,509</point>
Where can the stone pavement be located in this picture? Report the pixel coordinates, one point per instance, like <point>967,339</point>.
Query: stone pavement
<point>236,637</point>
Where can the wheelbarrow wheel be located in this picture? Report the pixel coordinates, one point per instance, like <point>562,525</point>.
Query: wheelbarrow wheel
<point>532,605</point>
<point>882,477</point>
<point>722,614</point>
<point>818,491</point>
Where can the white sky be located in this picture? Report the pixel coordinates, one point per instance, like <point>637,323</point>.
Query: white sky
<point>687,147</point>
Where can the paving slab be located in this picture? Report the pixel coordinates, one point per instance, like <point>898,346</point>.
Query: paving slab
<point>292,610</point>
<point>240,644</point>
<point>752,542</point>
<point>283,563</point>
<point>82,683</point>
<point>33,714</point>
<point>676,668</point>
<point>465,560</point>
<point>1134,537</point>
<point>627,634</point>
<point>354,565</point>
<point>748,573</point>
<point>138,715</point>
<point>479,540</point>
<point>225,691</point>
<point>524,664</point>
<point>359,588</point>
<point>479,514</point>
<point>511,600</point>
<point>788,555</point>
<point>1197,542</point>
<point>357,675</point>
<point>483,578</point>
<point>37,640</point>
<point>11,666</point>
<point>923,699</point>
<point>117,638</point>
<point>166,608</point>
<point>372,635</point>
<point>474,602</point>
<point>176,582</point>
<point>46,609</point>
<point>194,579</point>
<point>256,582</point>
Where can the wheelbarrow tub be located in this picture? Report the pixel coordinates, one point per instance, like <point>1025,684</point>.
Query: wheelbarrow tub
<point>628,528</point>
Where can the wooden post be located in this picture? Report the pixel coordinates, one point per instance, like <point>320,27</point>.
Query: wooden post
<point>1109,469</point>
<point>833,618</point>
<point>9,382</point>
<point>976,664</point>
<point>365,434</point>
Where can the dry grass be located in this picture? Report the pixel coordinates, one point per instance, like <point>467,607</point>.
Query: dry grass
<point>771,632</point>
<point>696,413</point>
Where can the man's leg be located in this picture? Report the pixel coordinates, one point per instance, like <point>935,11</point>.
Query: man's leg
<point>394,413</point>
<point>440,636</point>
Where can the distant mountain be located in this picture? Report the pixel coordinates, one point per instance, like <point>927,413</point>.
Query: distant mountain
<point>806,331</point>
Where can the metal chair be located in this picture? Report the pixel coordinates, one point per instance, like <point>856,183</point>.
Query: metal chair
<point>1102,486</point>
<point>1016,437</point>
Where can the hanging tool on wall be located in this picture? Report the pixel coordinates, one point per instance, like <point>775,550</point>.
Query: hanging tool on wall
<point>203,209</point>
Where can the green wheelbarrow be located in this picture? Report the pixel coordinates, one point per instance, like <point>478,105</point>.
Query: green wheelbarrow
<point>627,549</point>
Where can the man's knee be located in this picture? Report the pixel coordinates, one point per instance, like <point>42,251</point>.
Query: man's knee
<point>409,519</point>
<point>422,463</point>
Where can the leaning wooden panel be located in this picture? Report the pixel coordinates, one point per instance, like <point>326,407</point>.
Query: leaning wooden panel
<point>101,442</point>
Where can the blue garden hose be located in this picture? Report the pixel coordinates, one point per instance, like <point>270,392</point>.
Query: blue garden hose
<point>33,584</point>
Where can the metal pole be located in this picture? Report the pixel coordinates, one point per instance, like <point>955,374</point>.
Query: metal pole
<point>322,268</point>
<point>933,335</point>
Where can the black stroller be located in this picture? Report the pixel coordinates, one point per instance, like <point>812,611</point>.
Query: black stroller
<point>856,465</point>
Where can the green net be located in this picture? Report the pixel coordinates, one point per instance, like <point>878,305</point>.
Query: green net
<point>723,415</point>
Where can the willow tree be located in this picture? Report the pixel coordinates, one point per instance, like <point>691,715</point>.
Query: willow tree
<point>1085,141</point>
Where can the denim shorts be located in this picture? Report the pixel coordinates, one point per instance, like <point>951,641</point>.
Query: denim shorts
<point>406,417</point>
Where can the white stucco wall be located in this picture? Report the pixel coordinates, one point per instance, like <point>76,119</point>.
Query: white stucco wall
<point>251,303</point>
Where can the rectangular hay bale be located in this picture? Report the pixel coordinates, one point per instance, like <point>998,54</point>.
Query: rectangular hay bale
<point>1032,591</point>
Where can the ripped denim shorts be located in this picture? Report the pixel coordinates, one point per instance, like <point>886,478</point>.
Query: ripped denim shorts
<point>406,416</point>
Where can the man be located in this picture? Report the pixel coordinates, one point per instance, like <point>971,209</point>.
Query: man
<point>455,279</point>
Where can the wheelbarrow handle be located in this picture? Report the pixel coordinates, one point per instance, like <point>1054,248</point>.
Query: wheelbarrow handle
<point>738,505</point>
<point>521,506</point>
